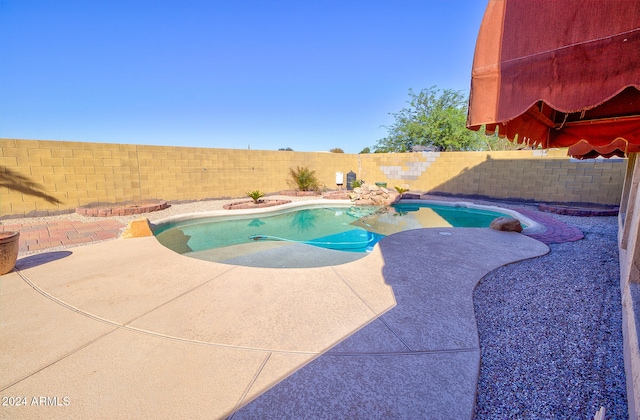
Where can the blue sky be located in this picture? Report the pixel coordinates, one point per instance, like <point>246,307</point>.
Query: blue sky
<point>310,75</point>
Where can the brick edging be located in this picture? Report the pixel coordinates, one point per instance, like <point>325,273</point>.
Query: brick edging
<point>578,211</point>
<point>121,210</point>
<point>556,231</point>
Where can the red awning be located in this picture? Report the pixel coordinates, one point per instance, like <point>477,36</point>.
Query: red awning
<point>559,73</point>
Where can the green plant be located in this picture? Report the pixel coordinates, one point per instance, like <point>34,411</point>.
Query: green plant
<point>356,183</point>
<point>304,179</point>
<point>255,195</point>
<point>401,190</point>
<point>434,118</point>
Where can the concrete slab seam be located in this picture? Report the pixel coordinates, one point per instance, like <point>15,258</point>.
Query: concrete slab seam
<point>403,353</point>
<point>70,353</point>
<point>179,296</point>
<point>394,333</point>
<point>221,345</point>
<point>250,385</point>
<point>62,303</point>
<point>346,282</point>
<point>152,333</point>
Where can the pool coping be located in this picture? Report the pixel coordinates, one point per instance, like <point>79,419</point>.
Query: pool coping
<point>294,254</point>
<point>531,226</point>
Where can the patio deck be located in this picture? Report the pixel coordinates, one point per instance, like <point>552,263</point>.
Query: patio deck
<point>127,328</point>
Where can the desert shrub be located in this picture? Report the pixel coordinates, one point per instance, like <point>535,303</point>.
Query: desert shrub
<point>356,183</point>
<point>255,195</point>
<point>304,179</point>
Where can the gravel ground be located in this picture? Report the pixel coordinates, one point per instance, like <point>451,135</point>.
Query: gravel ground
<point>550,331</point>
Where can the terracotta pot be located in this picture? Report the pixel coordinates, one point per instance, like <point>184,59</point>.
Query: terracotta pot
<point>9,246</point>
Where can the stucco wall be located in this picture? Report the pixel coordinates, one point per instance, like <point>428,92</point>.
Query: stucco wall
<point>40,177</point>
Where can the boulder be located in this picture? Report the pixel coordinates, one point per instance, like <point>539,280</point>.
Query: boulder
<point>372,195</point>
<point>506,224</point>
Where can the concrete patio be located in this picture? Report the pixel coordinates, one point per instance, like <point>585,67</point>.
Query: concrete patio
<point>128,329</point>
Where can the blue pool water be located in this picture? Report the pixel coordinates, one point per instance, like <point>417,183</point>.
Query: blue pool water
<point>352,229</point>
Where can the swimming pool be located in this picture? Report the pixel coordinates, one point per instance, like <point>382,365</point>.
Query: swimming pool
<point>337,227</point>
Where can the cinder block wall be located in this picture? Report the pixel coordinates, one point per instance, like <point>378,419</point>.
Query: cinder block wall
<point>537,175</point>
<point>39,177</point>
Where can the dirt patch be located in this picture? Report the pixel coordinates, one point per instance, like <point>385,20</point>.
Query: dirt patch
<point>250,204</point>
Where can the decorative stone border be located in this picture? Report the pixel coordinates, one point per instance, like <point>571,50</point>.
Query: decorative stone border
<point>585,211</point>
<point>556,231</point>
<point>122,209</point>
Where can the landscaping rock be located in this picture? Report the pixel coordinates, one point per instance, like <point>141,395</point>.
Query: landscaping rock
<point>372,195</point>
<point>506,224</point>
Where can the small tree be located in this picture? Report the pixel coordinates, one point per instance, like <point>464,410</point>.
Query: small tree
<point>336,150</point>
<point>433,118</point>
<point>304,179</point>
